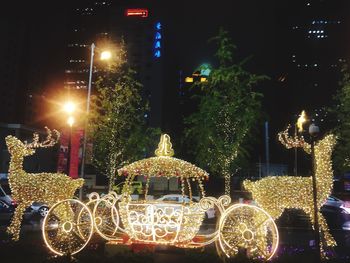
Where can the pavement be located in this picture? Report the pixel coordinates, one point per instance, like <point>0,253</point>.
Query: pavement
<point>294,239</point>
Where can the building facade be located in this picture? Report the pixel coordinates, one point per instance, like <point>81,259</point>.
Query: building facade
<point>106,24</point>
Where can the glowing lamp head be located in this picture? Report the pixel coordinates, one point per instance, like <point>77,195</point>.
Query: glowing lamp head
<point>301,120</point>
<point>106,55</point>
<point>69,107</point>
<point>314,130</point>
<point>70,121</point>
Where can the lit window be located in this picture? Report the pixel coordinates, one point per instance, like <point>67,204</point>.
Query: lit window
<point>188,79</point>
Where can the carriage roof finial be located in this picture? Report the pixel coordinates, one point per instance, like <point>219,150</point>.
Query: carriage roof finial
<point>164,146</point>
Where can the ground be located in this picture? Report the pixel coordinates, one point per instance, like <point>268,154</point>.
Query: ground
<point>294,248</point>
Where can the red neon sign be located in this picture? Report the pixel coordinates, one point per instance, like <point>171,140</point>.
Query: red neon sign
<point>140,12</point>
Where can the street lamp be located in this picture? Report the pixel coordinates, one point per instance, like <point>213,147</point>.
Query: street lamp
<point>105,55</point>
<point>314,131</point>
<point>69,107</point>
<point>70,121</point>
<point>298,128</point>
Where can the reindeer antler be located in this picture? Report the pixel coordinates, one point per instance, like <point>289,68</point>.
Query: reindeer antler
<point>293,142</point>
<point>48,142</point>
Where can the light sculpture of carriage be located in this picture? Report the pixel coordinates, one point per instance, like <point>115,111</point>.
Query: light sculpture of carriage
<point>69,224</point>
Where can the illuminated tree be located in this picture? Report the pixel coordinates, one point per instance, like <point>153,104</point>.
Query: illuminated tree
<point>117,124</point>
<point>341,110</point>
<point>228,110</point>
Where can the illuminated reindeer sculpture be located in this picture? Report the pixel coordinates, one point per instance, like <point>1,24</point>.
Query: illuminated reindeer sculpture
<point>26,187</point>
<point>274,194</point>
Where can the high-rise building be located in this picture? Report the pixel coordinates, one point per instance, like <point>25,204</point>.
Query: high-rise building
<point>13,52</point>
<point>30,53</point>
<point>101,22</point>
<point>311,46</point>
<point>314,48</point>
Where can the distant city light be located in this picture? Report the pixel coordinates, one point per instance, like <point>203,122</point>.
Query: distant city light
<point>205,69</point>
<point>140,12</point>
<point>188,79</point>
<point>157,44</point>
<point>158,36</point>
<point>157,40</point>
<point>157,54</point>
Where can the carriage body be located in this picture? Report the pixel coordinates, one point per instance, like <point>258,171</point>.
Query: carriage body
<point>161,222</point>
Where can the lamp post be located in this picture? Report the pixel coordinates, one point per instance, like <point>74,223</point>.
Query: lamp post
<point>105,55</point>
<point>70,122</point>
<point>314,131</point>
<point>69,108</point>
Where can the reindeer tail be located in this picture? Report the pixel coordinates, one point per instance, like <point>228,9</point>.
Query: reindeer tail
<point>78,183</point>
<point>248,185</point>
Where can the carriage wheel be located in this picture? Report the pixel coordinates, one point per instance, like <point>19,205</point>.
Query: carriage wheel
<point>248,229</point>
<point>68,227</point>
<point>82,214</point>
<point>106,218</point>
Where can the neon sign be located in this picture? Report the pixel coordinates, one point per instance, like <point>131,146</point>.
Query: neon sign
<point>140,12</point>
<point>158,40</point>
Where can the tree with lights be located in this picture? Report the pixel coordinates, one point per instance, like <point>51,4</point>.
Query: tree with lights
<point>227,113</point>
<point>341,110</point>
<point>117,124</point>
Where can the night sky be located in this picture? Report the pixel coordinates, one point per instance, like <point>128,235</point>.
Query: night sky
<point>259,29</point>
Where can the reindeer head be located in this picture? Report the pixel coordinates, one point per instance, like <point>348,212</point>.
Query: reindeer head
<point>293,142</point>
<point>17,147</point>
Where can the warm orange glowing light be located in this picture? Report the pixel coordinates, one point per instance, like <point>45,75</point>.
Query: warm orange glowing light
<point>137,12</point>
<point>70,121</point>
<point>106,55</point>
<point>69,107</point>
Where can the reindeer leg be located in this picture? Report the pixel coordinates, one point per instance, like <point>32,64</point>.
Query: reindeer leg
<point>326,233</point>
<point>15,227</point>
<point>323,228</point>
